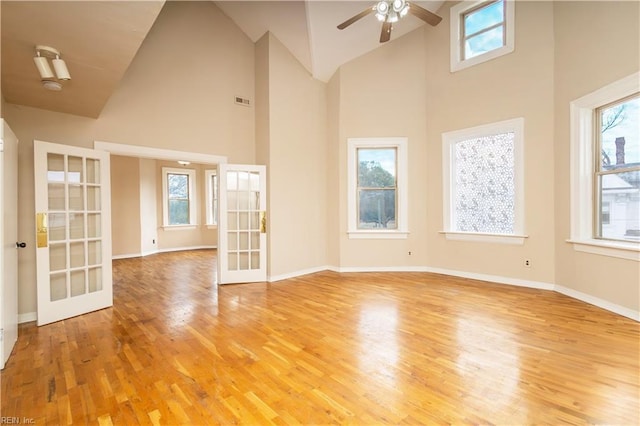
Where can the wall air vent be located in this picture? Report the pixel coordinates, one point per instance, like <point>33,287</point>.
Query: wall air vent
<point>243,101</point>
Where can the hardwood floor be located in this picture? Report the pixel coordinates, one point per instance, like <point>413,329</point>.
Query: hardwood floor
<point>369,348</point>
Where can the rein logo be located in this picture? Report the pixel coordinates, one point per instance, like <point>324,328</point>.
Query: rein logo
<point>17,421</point>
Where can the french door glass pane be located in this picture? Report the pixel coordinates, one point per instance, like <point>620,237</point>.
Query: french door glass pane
<point>76,226</point>
<point>93,171</point>
<point>76,255</point>
<point>95,279</point>
<point>75,174</point>
<point>77,283</point>
<point>56,197</point>
<point>76,197</point>
<point>55,168</point>
<point>57,226</point>
<point>57,257</point>
<point>58,286</point>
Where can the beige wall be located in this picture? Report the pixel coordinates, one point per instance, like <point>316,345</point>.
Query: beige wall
<point>596,43</point>
<point>125,206</point>
<point>148,206</point>
<point>396,107</point>
<point>294,145</point>
<point>178,94</point>
<point>519,84</point>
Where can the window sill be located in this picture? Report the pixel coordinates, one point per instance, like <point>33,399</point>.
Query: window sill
<point>378,235</point>
<point>482,237</point>
<point>212,226</point>
<point>619,249</point>
<point>179,227</point>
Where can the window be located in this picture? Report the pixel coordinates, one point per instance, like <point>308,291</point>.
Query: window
<point>178,189</point>
<point>483,183</point>
<point>605,170</point>
<point>377,202</point>
<point>617,175</point>
<point>481,31</point>
<point>211,177</point>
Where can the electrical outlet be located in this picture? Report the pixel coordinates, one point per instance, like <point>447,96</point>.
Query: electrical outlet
<point>527,263</point>
<point>409,253</point>
<point>154,241</point>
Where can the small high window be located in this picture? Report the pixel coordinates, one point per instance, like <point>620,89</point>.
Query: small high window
<point>481,31</point>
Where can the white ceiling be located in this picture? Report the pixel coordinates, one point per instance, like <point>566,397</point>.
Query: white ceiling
<point>308,28</point>
<point>99,39</point>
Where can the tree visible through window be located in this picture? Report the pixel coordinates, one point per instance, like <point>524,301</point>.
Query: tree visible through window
<point>377,188</point>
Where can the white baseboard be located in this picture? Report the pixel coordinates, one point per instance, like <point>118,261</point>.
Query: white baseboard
<point>600,303</point>
<point>295,274</point>
<point>493,278</point>
<point>166,250</point>
<point>125,256</point>
<point>28,317</point>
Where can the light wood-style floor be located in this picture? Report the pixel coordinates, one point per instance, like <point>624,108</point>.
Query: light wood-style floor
<point>369,348</point>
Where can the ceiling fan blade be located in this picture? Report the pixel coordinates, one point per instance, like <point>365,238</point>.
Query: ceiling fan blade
<point>422,13</point>
<point>385,35</point>
<point>355,18</point>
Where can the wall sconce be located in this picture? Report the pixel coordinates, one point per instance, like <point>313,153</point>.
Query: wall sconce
<point>43,54</point>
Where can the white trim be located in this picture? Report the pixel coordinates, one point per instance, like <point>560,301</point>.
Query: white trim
<point>27,317</point>
<point>193,195</point>
<point>378,235</point>
<point>483,237</point>
<point>582,164</point>
<point>621,250</point>
<point>600,303</point>
<point>402,183</point>
<point>126,256</point>
<point>179,227</point>
<point>157,153</point>
<point>450,139</point>
<point>172,249</point>
<point>209,220</point>
<point>456,11</point>
<point>296,274</point>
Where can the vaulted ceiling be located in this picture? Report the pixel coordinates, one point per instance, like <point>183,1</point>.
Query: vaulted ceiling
<point>99,39</point>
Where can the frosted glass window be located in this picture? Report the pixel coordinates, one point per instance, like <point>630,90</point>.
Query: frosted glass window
<point>484,198</point>
<point>483,183</point>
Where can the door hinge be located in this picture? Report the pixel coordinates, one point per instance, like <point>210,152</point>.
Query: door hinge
<point>1,334</point>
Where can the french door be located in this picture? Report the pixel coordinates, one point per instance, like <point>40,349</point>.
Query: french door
<point>73,231</point>
<point>242,237</point>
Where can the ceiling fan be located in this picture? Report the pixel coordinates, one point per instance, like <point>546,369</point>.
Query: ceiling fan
<point>390,11</point>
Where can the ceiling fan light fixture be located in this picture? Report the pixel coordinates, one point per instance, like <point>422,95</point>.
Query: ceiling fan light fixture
<point>404,10</point>
<point>382,8</point>
<point>52,85</point>
<point>43,54</point>
<point>61,69</point>
<point>393,17</point>
<point>42,64</point>
<point>398,5</point>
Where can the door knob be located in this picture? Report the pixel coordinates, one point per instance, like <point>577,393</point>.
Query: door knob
<point>21,245</point>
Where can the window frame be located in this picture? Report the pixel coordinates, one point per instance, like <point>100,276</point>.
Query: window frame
<point>583,166</point>
<point>457,14</point>
<point>400,144</point>
<point>211,211</point>
<point>191,173</point>
<point>449,141</point>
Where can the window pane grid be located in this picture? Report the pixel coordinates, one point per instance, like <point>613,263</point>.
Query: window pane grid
<point>617,170</point>
<point>377,188</point>
<point>482,29</point>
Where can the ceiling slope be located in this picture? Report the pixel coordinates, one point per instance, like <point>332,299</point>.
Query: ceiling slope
<point>97,39</point>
